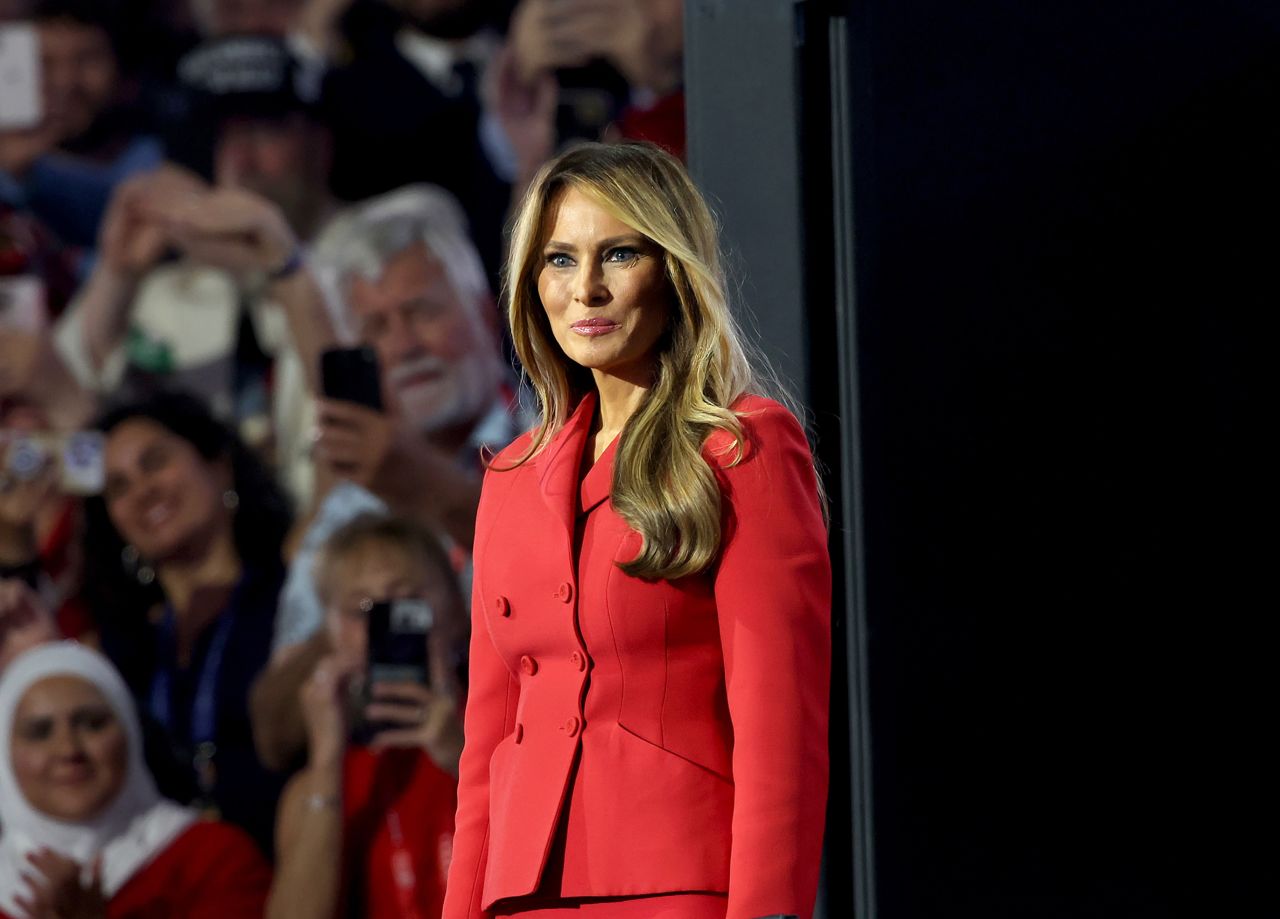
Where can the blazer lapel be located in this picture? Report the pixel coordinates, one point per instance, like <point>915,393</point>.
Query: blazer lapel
<point>559,463</point>
<point>597,484</point>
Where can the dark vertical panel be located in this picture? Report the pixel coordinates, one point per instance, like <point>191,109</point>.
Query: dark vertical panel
<point>1034,274</point>
<point>1059,271</point>
<point>856,891</point>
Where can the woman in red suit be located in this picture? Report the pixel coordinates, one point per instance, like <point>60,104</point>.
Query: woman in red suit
<point>83,832</point>
<point>646,728</point>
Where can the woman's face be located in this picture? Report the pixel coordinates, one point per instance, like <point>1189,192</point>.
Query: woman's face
<point>162,496</point>
<point>70,751</point>
<point>383,571</point>
<point>604,289</point>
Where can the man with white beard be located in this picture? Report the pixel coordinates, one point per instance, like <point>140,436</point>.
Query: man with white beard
<point>399,274</point>
<point>415,291</point>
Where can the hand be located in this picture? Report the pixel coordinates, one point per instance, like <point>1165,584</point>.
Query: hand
<point>20,355</point>
<point>526,109</point>
<point>319,21</point>
<point>322,698</point>
<point>643,40</point>
<point>355,442</point>
<point>233,229</point>
<point>424,719</point>
<point>20,148</point>
<point>548,35</point>
<point>134,233</point>
<point>21,499</point>
<point>56,892</point>
<point>24,621</point>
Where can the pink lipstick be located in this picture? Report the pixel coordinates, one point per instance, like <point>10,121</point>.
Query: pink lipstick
<point>595,326</point>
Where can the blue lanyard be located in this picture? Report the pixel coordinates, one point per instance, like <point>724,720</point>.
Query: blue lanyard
<point>204,707</point>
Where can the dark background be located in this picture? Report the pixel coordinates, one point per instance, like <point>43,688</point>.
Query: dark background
<point>1065,254</point>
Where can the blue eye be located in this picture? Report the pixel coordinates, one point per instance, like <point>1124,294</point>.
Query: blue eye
<point>622,254</point>
<point>559,260</point>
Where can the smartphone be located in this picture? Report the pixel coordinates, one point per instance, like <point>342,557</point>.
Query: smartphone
<point>20,105</point>
<point>352,375</point>
<point>398,635</point>
<point>398,631</point>
<point>77,457</point>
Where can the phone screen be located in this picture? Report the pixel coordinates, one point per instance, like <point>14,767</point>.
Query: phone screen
<point>398,631</point>
<point>19,76</point>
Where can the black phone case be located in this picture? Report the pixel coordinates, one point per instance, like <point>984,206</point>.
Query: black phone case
<point>352,375</point>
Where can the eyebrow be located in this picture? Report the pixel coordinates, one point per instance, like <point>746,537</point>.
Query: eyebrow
<point>603,244</point>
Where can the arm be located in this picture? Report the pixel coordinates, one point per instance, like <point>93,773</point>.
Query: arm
<point>20,505</point>
<point>132,239</point>
<point>71,193</point>
<point>490,716</point>
<point>24,621</point>
<point>279,732</point>
<point>309,825</point>
<point>239,231</point>
<point>415,478</point>
<point>773,602</point>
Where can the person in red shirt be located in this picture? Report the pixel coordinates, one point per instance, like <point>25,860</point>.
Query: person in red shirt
<point>366,829</point>
<point>84,834</point>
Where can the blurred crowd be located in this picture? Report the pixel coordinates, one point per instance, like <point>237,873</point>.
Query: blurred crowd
<point>250,360</point>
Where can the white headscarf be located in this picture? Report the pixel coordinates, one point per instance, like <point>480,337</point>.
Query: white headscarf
<point>131,831</point>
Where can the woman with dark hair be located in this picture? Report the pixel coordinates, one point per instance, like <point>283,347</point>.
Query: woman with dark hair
<point>183,571</point>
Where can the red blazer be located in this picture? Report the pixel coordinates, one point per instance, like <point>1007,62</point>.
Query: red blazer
<point>701,738</point>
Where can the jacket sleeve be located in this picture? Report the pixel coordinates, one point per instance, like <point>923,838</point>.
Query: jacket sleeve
<point>490,714</point>
<point>773,602</point>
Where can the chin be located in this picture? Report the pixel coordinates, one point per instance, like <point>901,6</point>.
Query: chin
<point>437,406</point>
<point>161,550</point>
<point>79,808</point>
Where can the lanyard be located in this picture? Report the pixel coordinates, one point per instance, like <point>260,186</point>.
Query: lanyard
<point>204,706</point>
<point>403,874</point>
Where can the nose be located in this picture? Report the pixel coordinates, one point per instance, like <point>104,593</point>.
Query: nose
<point>401,341</point>
<point>589,287</point>
<point>66,743</point>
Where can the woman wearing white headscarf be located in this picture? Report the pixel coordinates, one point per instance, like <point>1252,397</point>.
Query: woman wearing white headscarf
<point>83,832</point>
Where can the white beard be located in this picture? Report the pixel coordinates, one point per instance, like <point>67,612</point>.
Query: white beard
<point>462,391</point>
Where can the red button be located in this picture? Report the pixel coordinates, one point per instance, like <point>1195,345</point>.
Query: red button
<point>519,732</point>
<point>571,727</point>
<point>528,665</point>
<point>578,660</point>
<point>503,606</point>
<point>565,592</point>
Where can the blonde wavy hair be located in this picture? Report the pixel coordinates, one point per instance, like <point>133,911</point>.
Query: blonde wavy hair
<point>662,485</point>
